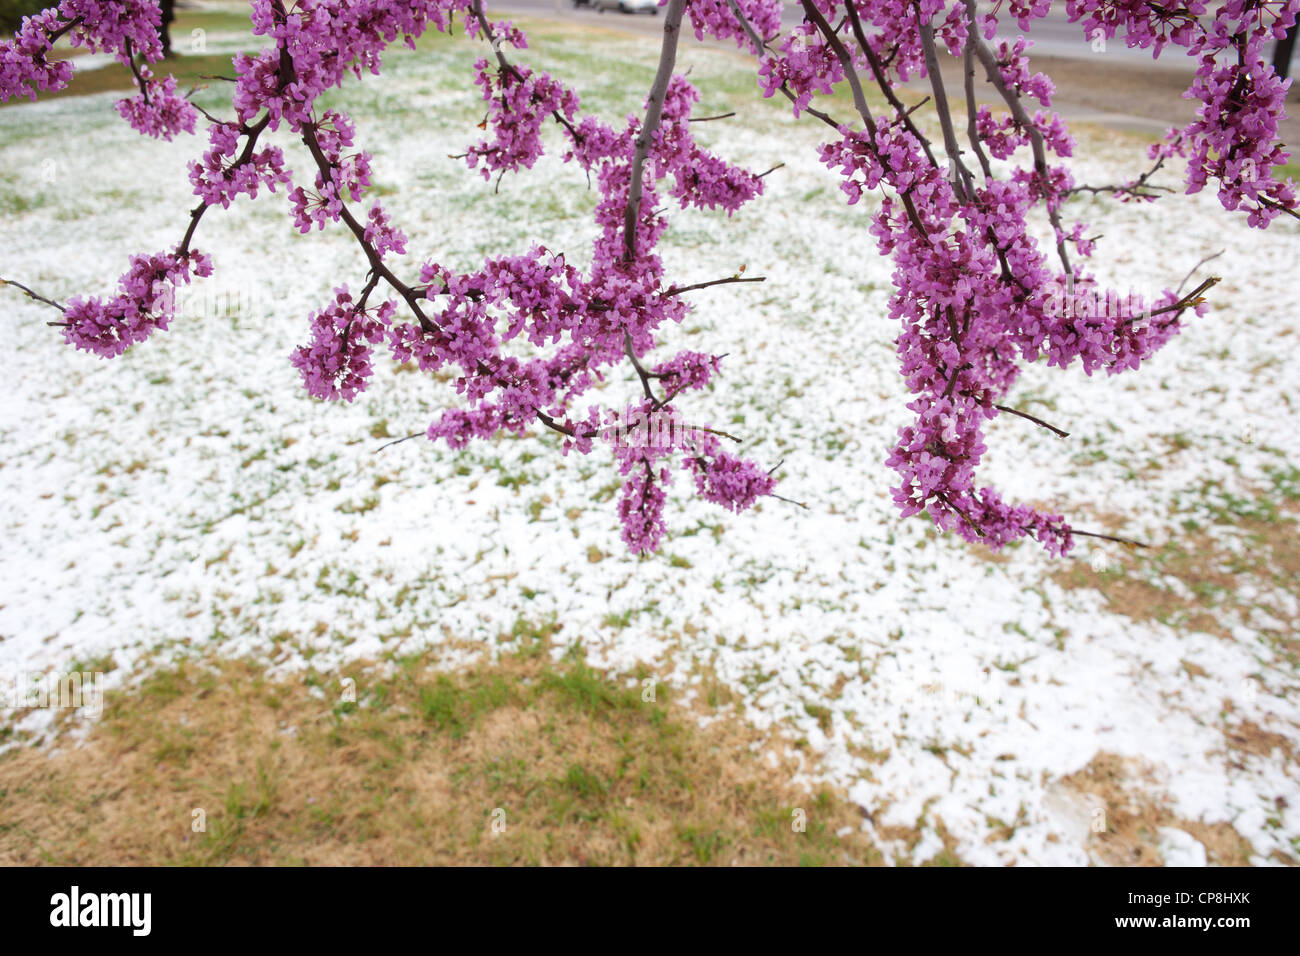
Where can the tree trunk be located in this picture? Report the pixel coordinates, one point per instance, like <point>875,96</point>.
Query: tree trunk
<point>1282,55</point>
<point>168,15</point>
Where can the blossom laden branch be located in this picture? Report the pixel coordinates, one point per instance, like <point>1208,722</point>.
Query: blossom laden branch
<point>525,336</point>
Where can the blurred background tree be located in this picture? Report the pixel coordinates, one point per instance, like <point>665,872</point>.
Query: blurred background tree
<point>13,11</point>
<point>1285,49</point>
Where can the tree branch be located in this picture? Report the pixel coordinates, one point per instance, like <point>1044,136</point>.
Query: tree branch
<point>678,290</point>
<point>1031,418</point>
<point>32,295</point>
<point>1023,120</point>
<point>654,112</point>
<point>964,183</point>
<point>1216,255</point>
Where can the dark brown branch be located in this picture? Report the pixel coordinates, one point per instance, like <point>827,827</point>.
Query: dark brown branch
<point>287,75</point>
<point>1032,418</point>
<point>1273,204</point>
<point>678,290</point>
<point>57,35</point>
<point>1110,537</point>
<point>944,498</point>
<point>135,71</point>
<point>398,441</point>
<point>1192,298</point>
<point>33,295</point>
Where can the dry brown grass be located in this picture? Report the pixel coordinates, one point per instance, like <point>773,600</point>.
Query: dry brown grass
<point>579,768</point>
<point>1126,789</point>
<point>1142,587</point>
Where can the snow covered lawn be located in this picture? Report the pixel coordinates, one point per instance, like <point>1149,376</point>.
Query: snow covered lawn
<point>190,499</point>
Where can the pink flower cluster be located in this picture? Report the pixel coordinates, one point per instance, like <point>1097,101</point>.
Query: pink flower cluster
<point>24,68</point>
<point>726,480</point>
<point>806,65</point>
<point>687,371</point>
<point>125,28</point>
<point>222,175</point>
<point>335,364</point>
<point>713,18</point>
<point>700,179</point>
<point>1234,138</point>
<point>519,103</point>
<point>644,441</point>
<point>973,290</point>
<point>158,110</point>
<point>147,301</point>
<point>345,176</point>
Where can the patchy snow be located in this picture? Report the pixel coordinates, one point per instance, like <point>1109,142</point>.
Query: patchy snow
<point>1180,848</point>
<point>189,496</point>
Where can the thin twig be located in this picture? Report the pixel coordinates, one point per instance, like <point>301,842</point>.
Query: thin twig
<point>1192,298</point>
<point>1110,537</point>
<point>1216,255</point>
<point>715,431</point>
<point>398,441</point>
<point>1032,418</point>
<point>678,290</point>
<point>32,295</point>
<point>1273,204</point>
<point>944,498</point>
<point>800,504</point>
